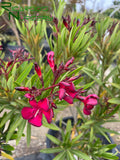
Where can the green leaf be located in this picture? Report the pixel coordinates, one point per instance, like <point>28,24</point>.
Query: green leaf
<point>78,41</point>
<point>6,118</point>
<point>99,129</point>
<point>75,71</point>
<point>52,150</point>
<point>20,131</point>
<point>1,11</point>
<point>116,85</point>
<point>24,74</point>
<point>53,139</point>
<point>28,134</point>
<point>108,156</point>
<point>10,83</point>
<point>87,71</point>
<point>60,156</point>
<point>91,135</point>
<point>80,154</point>
<point>70,155</point>
<point>7,147</point>
<point>69,126</point>
<point>77,138</point>
<point>14,125</point>
<point>111,74</point>
<point>86,86</point>
<point>14,70</point>
<point>51,126</point>
<point>114,100</point>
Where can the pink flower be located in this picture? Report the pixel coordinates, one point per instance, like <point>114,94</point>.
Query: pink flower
<point>89,102</point>
<point>50,59</point>
<point>34,114</point>
<point>67,91</point>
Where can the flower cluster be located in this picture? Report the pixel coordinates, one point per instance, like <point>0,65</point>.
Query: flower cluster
<point>65,91</point>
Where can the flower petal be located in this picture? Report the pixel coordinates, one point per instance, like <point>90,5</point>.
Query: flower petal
<point>28,95</point>
<point>86,111</point>
<point>91,101</point>
<point>71,87</point>
<point>89,107</point>
<point>33,103</point>
<point>44,104</point>
<point>69,99</point>
<point>61,93</point>
<point>92,96</point>
<point>36,121</point>
<point>49,115</point>
<point>64,84</point>
<point>27,112</point>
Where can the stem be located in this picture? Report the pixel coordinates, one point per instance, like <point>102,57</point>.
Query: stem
<point>44,89</point>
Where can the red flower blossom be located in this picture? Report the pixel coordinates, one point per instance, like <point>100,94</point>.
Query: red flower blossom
<point>34,114</point>
<point>50,59</point>
<point>67,91</point>
<point>89,102</point>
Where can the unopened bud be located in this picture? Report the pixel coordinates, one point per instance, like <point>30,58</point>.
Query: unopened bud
<point>38,70</point>
<point>69,62</point>
<point>9,63</point>
<point>22,88</point>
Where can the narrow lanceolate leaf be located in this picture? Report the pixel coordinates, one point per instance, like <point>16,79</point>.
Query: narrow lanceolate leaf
<point>14,125</point>
<point>74,140</point>
<point>114,100</point>
<point>60,156</point>
<point>6,118</point>
<point>69,126</point>
<point>20,131</point>
<point>77,42</point>
<point>91,135</point>
<point>70,155</point>
<point>50,126</point>
<point>10,83</point>
<point>28,134</point>
<point>116,85</point>
<point>25,73</point>
<point>91,75</point>
<point>52,150</point>
<point>80,154</point>
<point>53,139</point>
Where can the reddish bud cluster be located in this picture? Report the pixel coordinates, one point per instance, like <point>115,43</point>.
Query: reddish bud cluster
<point>19,56</point>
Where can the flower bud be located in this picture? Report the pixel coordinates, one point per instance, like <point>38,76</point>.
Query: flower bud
<point>69,62</point>
<point>50,59</point>
<point>38,70</point>
<point>22,88</point>
<point>1,48</point>
<point>9,63</point>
